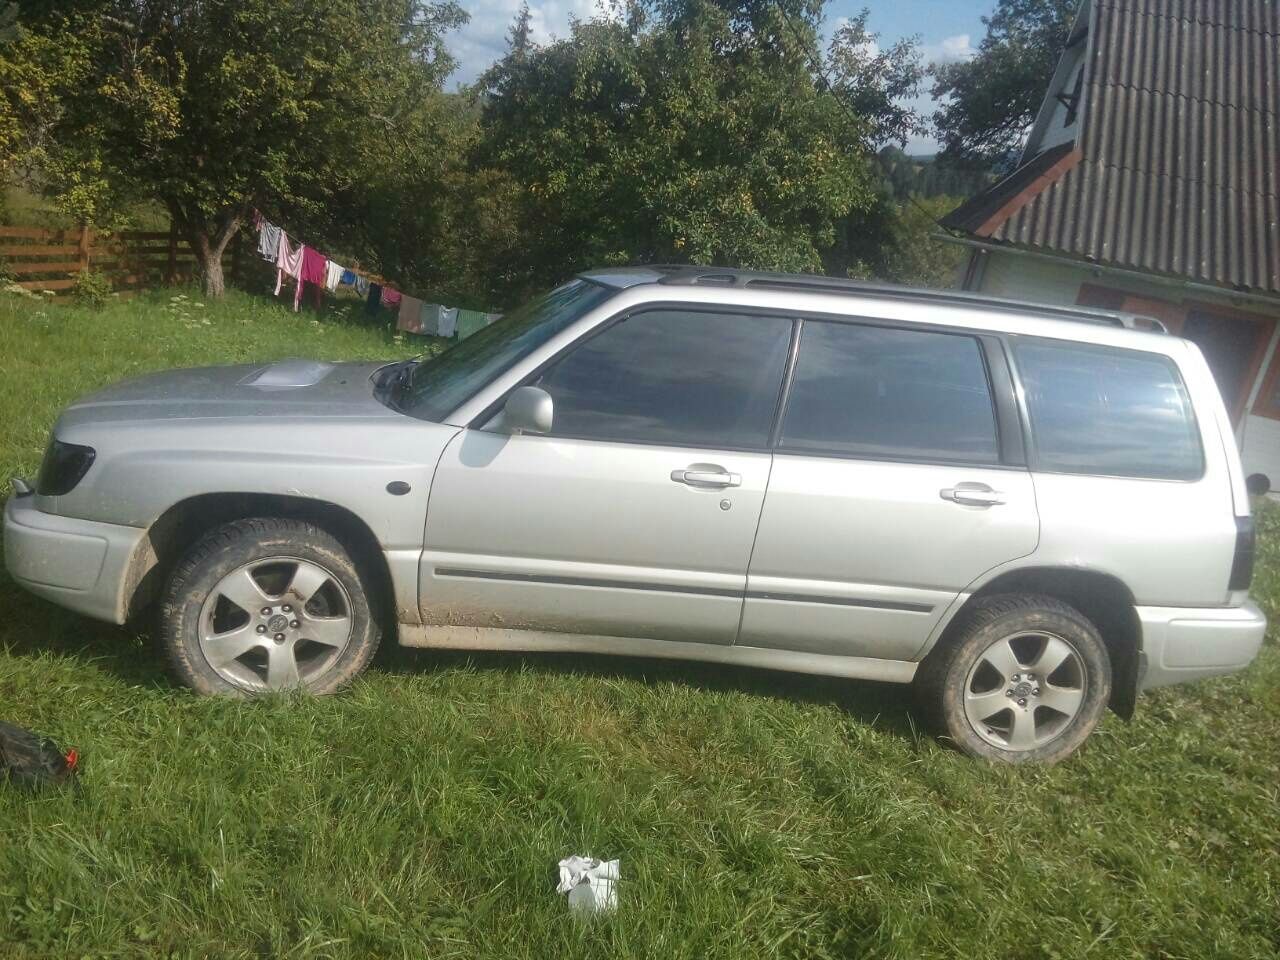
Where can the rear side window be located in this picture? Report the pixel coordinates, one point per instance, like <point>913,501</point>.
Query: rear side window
<point>679,377</point>
<point>1108,411</point>
<point>869,391</point>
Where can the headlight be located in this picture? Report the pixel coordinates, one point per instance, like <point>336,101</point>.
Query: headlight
<point>64,465</point>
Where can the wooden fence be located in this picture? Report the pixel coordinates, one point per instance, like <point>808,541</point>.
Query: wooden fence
<point>132,260</point>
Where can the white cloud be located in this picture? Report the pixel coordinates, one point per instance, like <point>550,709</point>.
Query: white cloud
<point>949,50</point>
<point>484,39</point>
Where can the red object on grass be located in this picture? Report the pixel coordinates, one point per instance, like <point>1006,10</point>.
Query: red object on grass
<point>30,760</point>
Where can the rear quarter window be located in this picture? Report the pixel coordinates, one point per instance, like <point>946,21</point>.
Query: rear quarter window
<point>1108,411</point>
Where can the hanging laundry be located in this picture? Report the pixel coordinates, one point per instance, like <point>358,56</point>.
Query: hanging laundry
<point>431,319</point>
<point>469,321</point>
<point>374,302</point>
<point>288,260</point>
<point>490,318</point>
<point>268,241</point>
<point>347,279</point>
<point>332,274</point>
<point>362,285</point>
<point>410,318</point>
<point>448,321</point>
<point>313,264</point>
<point>390,296</point>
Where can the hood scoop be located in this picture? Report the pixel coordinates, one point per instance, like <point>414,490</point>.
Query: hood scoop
<point>288,375</point>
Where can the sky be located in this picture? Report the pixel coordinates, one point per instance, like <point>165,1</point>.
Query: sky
<point>948,30</point>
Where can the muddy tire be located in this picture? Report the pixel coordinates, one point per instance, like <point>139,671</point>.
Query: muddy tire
<point>267,604</point>
<point>1017,679</point>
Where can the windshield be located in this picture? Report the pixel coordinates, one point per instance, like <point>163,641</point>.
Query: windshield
<point>442,384</point>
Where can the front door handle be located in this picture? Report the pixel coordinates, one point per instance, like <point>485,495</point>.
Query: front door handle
<point>706,475</point>
<point>973,495</point>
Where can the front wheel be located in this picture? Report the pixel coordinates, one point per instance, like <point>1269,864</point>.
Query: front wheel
<point>1018,679</point>
<point>267,604</point>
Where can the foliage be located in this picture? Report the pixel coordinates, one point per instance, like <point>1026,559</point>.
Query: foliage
<point>92,289</point>
<point>37,71</point>
<point>991,99</point>
<point>928,177</point>
<point>895,243</point>
<point>689,131</point>
<point>757,814</point>
<point>215,107</point>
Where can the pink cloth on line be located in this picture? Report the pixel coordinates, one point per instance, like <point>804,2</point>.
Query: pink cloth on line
<point>288,260</point>
<point>313,264</point>
<point>390,297</point>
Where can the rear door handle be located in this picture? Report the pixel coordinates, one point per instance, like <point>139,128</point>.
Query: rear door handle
<point>706,475</point>
<point>973,495</point>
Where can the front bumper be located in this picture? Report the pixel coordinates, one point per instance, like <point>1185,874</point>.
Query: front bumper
<point>78,564</point>
<point>1180,644</point>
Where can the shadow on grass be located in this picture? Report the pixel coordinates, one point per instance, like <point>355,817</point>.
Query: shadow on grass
<point>33,627</point>
<point>884,705</point>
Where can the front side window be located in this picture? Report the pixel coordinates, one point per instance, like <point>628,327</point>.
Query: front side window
<point>1108,411</point>
<point>445,382</point>
<point>673,376</point>
<point>884,392</point>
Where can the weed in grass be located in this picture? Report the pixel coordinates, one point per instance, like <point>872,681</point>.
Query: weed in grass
<point>423,812</point>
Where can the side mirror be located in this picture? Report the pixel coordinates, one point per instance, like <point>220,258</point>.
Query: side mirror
<point>528,409</point>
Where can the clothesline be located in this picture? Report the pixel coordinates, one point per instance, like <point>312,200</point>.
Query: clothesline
<point>306,265</point>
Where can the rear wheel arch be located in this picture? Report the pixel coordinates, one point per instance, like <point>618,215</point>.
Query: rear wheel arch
<point>176,530</point>
<point>1101,597</point>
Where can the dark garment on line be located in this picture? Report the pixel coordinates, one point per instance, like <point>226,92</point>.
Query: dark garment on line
<point>374,302</point>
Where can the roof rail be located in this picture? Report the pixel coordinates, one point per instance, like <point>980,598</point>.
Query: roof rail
<point>678,274</point>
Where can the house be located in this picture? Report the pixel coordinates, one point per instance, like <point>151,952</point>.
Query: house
<point>1150,183</point>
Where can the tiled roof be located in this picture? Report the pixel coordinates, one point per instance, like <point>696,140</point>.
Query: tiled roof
<point>1180,148</point>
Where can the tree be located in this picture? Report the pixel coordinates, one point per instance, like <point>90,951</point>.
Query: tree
<point>688,131</point>
<point>991,100</point>
<point>212,107</point>
<point>895,242</point>
<point>35,72</point>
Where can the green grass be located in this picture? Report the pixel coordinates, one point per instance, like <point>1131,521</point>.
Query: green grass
<point>422,813</point>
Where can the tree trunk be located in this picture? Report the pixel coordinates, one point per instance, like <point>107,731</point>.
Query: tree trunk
<point>208,242</point>
<point>212,283</point>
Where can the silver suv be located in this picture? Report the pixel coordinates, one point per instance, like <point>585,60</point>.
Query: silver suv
<point>1031,513</point>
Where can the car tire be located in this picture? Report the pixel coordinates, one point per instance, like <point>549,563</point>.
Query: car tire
<point>1017,679</point>
<point>265,604</point>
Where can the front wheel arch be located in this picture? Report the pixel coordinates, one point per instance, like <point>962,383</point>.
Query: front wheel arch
<point>180,526</point>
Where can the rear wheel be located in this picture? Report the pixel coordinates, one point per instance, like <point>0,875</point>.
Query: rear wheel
<point>1018,679</point>
<point>267,604</point>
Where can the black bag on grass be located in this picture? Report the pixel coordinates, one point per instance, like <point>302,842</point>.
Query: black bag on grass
<point>30,760</point>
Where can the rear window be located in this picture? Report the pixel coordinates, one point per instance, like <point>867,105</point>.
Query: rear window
<point>1108,411</point>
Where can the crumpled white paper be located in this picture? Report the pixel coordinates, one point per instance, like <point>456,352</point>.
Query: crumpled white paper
<point>589,883</point>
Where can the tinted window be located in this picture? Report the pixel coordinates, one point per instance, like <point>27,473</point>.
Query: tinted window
<point>445,382</point>
<point>876,391</point>
<point>673,376</point>
<point>1107,411</point>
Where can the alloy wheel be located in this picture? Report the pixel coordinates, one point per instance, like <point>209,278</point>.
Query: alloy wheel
<point>275,623</point>
<point>1024,690</point>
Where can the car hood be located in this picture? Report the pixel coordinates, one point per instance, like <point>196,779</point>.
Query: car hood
<point>286,388</point>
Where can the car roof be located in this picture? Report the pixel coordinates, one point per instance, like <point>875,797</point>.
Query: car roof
<point>623,278</point>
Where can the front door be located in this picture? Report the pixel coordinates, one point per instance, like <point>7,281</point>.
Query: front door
<point>888,495</point>
<point>635,515</point>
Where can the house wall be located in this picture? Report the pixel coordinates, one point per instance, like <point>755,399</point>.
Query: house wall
<point>1059,282</point>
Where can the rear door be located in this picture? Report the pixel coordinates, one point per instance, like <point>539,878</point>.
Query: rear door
<point>635,515</point>
<point>897,481</point>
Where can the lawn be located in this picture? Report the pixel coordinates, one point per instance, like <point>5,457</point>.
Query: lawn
<point>422,813</point>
